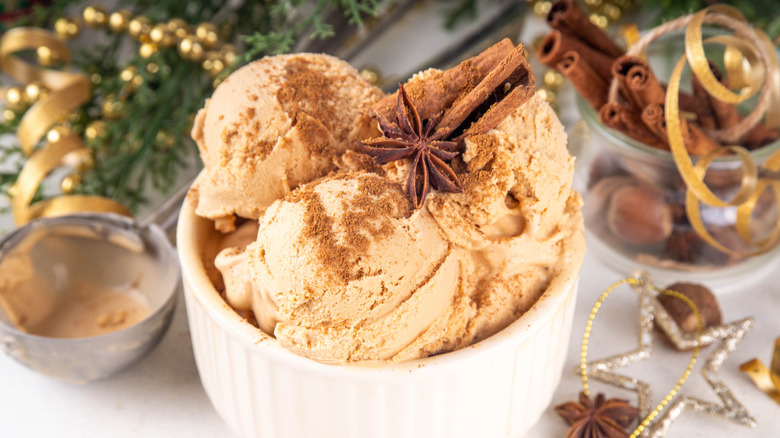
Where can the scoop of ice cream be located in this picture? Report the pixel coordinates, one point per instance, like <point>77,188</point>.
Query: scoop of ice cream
<point>517,218</point>
<point>356,273</point>
<point>275,124</point>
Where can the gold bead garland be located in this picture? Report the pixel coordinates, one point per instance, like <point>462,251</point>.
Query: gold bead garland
<point>119,20</point>
<point>199,44</point>
<point>95,16</point>
<point>139,27</point>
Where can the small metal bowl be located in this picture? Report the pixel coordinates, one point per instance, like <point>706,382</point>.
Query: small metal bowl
<point>101,251</point>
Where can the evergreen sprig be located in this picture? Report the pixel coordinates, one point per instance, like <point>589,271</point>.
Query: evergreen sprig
<point>298,18</point>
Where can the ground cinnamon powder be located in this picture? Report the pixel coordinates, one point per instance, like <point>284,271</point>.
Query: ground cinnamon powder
<point>366,216</point>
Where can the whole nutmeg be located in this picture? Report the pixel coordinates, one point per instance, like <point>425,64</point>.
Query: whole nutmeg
<point>600,195</point>
<point>683,315</point>
<point>639,215</point>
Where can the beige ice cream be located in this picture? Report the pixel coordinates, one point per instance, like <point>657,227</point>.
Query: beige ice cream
<point>344,269</point>
<point>356,273</point>
<point>273,125</point>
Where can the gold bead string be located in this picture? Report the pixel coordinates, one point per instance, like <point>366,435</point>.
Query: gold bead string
<point>637,282</point>
<point>200,43</point>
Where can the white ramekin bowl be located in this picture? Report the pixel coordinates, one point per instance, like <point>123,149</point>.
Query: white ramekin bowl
<point>496,388</point>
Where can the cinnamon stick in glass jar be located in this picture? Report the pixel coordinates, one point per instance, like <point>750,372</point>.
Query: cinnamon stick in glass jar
<point>697,142</point>
<point>706,118</point>
<point>727,116</point>
<point>556,44</point>
<point>628,121</point>
<point>588,83</point>
<point>641,87</point>
<point>653,117</point>
<point>568,18</point>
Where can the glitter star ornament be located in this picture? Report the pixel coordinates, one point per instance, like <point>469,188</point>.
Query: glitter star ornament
<point>724,336</point>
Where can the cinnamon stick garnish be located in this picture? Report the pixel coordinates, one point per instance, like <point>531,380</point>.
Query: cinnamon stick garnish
<point>472,97</point>
<point>440,89</point>
<point>556,44</point>
<point>568,18</point>
<point>628,121</point>
<point>499,94</point>
<point>588,83</point>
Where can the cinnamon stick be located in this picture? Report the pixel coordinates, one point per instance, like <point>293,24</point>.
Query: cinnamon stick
<point>440,89</point>
<point>640,87</point>
<point>760,135</point>
<point>556,44</point>
<point>509,85</point>
<point>706,118</point>
<point>568,18</point>
<point>697,142</point>
<point>619,71</point>
<point>653,117</point>
<point>726,114</point>
<point>639,81</point>
<point>588,83</point>
<point>628,121</point>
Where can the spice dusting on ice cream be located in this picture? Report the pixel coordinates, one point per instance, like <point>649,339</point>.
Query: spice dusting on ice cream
<point>325,250</point>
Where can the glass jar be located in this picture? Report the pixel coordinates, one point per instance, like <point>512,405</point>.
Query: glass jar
<point>635,211</point>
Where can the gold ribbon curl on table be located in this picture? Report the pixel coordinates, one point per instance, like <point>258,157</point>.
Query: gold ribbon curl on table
<point>751,65</point>
<point>68,91</point>
<point>640,280</point>
<point>766,379</point>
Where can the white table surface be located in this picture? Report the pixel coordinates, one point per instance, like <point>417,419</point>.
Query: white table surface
<point>161,396</point>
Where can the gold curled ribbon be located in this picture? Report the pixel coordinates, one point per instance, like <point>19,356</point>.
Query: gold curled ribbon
<point>589,326</point>
<point>767,380</point>
<point>68,91</point>
<point>745,45</point>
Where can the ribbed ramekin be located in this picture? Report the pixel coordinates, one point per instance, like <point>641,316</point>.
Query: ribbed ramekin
<point>496,388</point>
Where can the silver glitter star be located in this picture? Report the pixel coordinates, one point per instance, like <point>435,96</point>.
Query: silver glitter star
<point>728,335</point>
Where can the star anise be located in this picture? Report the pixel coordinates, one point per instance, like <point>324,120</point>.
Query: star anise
<point>601,418</point>
<point>411,136</point>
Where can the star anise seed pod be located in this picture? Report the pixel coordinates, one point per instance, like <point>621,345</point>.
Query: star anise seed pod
<point>602,418</point>
<point>410,136</point>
